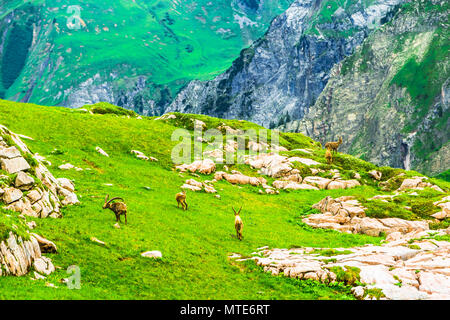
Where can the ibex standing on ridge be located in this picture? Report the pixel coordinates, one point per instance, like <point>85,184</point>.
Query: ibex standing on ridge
<point>329,156</point>
<point>181,199</point>
<point>238,224</point>
<point>119,208</point>
<point>333,146</point>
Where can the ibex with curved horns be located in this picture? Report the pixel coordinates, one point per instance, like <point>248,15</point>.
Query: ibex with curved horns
<point>238,224</point>
<point>119,208</point>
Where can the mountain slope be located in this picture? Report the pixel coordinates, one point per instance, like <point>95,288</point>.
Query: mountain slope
<point>281,75</point>
<point>195,244</point>
<point>137,54</point>
<point>390,100</point>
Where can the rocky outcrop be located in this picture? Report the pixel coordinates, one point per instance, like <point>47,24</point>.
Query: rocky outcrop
<point>18,257</point>
<point>43,190</point>
<point>345,214</point>
<point>391,271</point>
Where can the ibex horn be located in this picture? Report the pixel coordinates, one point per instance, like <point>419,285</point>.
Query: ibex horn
<point>117,198</point>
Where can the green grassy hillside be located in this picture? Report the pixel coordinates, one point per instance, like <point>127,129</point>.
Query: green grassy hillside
<point>167,42</point>
<point>195,244</point>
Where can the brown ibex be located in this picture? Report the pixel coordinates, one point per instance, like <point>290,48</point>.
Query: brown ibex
<point>333,146</point>
<point>119,208</point>
<point>181,199</point>
<point>238,224</point>
<point>329,156</point>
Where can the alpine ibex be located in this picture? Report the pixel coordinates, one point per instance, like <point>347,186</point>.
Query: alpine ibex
<point>238,224</point>
<point>333,146</point>
<point>329,156</point>
<point>181,199</point>
<point>119,208</point>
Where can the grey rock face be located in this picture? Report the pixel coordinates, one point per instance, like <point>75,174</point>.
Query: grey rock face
<point>141,94</point>
<point>378,118</point>
<point>38,202</point>
<point>284,72</point>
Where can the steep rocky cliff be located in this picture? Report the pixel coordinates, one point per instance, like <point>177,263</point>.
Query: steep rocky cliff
<point>280,76</point>
<point>390,100</point>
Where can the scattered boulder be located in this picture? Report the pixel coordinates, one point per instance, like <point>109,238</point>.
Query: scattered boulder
<point>375,174</point>
<point>152,254</point>
<point>45,245</point>
<point>199,125</point>
<point>209,189</point>
<point>417,183</point>
<point>239,178</point>
<point>69,198</point>
<point>66,166</point>
<point>336,184</point>
<point>94,239</point>
<point>206,166</point>
<point>319,182</point>
<point>190,187</point>
<point>101,151</point>
<point>195,185</point>
<point>44,265</point>
<point>140,155</point>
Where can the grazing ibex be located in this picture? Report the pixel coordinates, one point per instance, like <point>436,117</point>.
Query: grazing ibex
<point>181,199</point>
<point>119,208</point>
<point>238,224</point>
<point>329,156</point>
<point>333,146</point>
